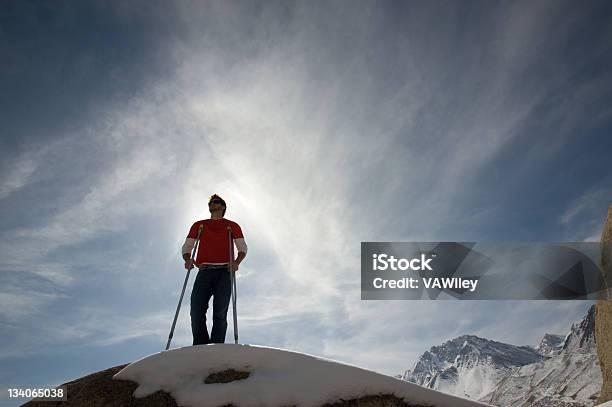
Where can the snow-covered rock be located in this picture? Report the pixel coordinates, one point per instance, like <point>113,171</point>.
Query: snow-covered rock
<point>276,378</point>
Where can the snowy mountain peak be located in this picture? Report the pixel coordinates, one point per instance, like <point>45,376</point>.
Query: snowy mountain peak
<point>550,344</point>
<point>472,348</point>
<point>468,365</point>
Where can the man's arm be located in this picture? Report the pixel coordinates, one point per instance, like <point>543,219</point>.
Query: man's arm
<point>186,250</point>
<point>242,250</point>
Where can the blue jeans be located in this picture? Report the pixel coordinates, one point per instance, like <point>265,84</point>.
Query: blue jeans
<point>215,282</point>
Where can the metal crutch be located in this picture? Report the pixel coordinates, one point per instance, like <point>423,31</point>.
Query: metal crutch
<point>233,279</point>
<point>193,253</point>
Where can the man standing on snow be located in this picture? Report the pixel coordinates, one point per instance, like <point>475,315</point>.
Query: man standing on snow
<point>213,277</point>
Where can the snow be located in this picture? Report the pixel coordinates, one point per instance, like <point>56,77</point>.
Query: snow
<point>277,377</point>
<point>477,381</point>
<point>606,404</point>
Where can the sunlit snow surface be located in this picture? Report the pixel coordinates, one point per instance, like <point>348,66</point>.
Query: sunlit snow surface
<point>277,377</point>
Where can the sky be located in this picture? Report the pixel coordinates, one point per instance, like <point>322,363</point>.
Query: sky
<point>322,124</point>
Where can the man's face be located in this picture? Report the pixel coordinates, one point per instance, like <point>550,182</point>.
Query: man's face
<point>215,204</point>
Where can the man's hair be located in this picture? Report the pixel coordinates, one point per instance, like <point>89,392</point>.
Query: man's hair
<point>213,196</point>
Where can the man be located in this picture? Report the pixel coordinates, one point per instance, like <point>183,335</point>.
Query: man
<point>213,277</point>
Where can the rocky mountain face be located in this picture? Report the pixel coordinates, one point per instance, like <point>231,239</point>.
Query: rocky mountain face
<point>469,365</point>
<point>561,371</point>
<point>582,335</point>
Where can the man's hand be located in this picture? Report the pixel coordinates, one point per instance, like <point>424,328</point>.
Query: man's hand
<point>241,256</point>
<point>188,262</point>
<point>235,266</point>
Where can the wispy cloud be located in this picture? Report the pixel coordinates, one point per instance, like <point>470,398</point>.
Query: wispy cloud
<point>17,176</point>
<point>586,214</point>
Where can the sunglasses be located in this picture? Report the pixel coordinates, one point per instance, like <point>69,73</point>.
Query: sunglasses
<point>215,201</point>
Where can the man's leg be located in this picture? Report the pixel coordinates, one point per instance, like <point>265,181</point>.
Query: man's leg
<point>200,296</point>
<point>221,299</point>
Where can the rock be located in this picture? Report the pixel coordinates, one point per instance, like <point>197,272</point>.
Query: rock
<point>100,390</point>
<point>226,376</point>
<point>603,315</point>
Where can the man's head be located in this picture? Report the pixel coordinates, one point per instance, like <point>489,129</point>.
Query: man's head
<point>216,202</point>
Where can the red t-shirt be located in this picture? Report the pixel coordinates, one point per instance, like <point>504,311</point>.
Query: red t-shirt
<point>214,240</point>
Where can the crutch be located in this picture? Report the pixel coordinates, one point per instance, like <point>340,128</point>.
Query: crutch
<point>193,254</point>
<point>233,279</point>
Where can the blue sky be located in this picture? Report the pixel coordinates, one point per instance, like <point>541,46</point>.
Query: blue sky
<point>322,124</point>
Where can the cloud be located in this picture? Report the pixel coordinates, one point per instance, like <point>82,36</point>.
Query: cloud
<point>17,177</point>
<point>17,305</point>
<point>586,202</point>
<point>584,215</point>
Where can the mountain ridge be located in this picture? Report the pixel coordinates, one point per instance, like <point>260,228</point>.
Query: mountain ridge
<point>565,368</point>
